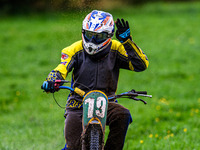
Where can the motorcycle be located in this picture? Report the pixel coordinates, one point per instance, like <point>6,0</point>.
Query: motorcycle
<point>95,105</point>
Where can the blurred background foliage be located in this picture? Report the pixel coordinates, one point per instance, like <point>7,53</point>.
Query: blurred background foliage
<point>32,34</point>
<point>12,7</point>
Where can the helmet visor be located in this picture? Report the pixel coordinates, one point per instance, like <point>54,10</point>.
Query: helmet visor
<point>97,37</point>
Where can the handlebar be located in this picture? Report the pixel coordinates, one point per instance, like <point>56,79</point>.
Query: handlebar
<point>130,94</point>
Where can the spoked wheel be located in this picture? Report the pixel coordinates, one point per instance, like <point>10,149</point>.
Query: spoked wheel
<point>93,138</point>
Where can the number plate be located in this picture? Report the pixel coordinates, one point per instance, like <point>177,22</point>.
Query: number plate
<point>95,105</point>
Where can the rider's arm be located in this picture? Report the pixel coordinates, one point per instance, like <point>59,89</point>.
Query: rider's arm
<point>67,61</point>
<point>130,56</point>
<point>136,56</point>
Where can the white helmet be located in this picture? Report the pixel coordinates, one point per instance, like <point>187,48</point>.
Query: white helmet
<point>97,31</point>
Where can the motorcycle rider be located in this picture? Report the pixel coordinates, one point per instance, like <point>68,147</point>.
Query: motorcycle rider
<point>95,62</point>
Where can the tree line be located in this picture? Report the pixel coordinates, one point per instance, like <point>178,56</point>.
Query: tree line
<point>25,6</point>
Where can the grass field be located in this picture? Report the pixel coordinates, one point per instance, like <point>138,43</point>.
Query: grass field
<point>168,33</point>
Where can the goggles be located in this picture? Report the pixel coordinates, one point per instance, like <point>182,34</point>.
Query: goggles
<point>98,37</point>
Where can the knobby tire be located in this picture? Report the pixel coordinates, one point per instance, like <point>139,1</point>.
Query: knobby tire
<point>93,138</point>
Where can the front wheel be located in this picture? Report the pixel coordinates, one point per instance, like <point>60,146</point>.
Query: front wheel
<point>93,138</point>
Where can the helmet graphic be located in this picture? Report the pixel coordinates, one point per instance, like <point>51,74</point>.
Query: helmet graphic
<point>97,31</point>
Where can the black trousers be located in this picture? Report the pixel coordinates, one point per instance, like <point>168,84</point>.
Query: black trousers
<point>118,119</point>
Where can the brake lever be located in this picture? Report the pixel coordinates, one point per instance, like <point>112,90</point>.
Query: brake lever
<point>62,81</point>
<point>56,85</point>
<point>137,99</point>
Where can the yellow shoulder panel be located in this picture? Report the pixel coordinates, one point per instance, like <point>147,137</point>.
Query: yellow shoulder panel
<point>116,45</point>
<point>68,52</point>
<point>73,49</point>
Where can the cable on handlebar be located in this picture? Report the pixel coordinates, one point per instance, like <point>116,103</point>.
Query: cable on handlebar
<point>57,102</point>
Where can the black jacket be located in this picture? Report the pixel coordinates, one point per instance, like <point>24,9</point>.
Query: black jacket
<point>100,71</point>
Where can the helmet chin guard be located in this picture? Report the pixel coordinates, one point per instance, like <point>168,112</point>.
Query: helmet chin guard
<point>92,48</point>
<point>97,31</point>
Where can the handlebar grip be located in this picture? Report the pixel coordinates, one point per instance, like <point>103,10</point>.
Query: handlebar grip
<point>79,91</point>
<point>141,92</point>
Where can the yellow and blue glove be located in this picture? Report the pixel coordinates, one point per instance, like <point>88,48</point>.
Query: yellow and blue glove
<point>49,84</point>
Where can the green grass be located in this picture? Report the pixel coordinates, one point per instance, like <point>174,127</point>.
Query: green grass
<point>169,35</point>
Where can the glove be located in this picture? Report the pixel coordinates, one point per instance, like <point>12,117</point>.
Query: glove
<point>48,86</point>
<point>123,30</point>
